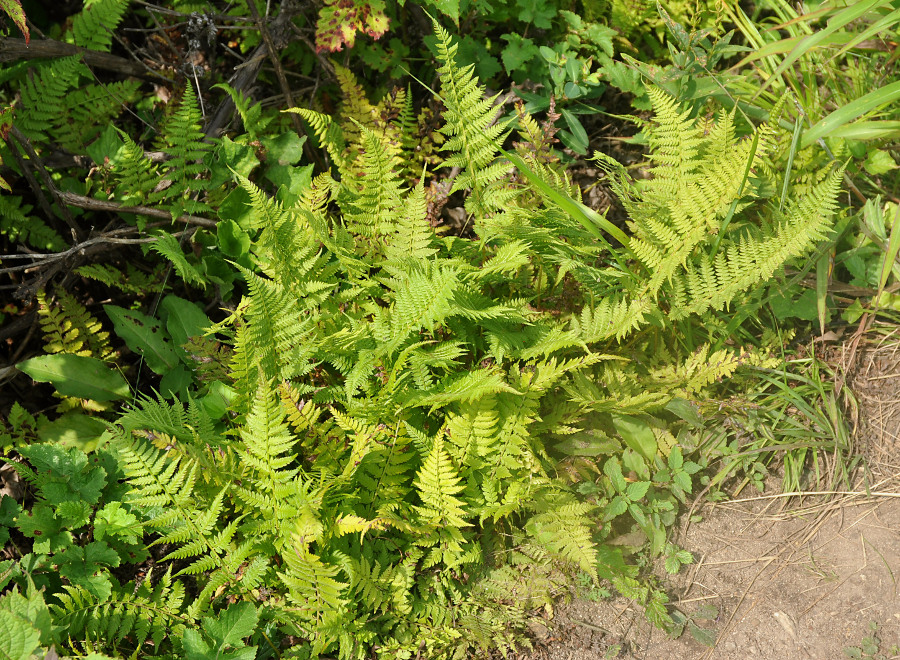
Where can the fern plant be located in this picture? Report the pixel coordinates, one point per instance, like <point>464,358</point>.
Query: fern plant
<point>386,462</point>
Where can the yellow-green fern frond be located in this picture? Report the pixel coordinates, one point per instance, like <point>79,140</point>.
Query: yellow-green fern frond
<point>474,133</point>
<point>69,328</point>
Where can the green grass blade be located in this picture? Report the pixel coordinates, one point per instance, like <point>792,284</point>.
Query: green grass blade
<point>588,217</point>
<point>823,270</point>
<point>868,130</point>
<point>887,23</point>
<point>851,111</point>
<point>890,255</point>
<point>838,22</point>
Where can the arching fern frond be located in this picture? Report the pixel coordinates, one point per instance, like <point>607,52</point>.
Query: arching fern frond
<point>93,26</point>
<point>474,134</point>
<point>69,328</point>
<point>127,619</point>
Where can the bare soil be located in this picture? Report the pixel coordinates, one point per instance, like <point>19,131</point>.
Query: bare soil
<point>799,578</point>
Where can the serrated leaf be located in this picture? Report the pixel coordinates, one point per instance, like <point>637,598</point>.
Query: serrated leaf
<point>683,481</point>
<point>13,9</point>
<point>77,376</point>
<point>705,636</point>
<point>617,506</point>
<point>73,430</point>
<point>145,336</point>
<point>232,625</point>
<point>18,638</point>
<point>676,459</point>
<point>637,490</point>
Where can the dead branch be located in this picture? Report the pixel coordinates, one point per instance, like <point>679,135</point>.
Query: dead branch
<point>92,204</point>
<point>12,49</point>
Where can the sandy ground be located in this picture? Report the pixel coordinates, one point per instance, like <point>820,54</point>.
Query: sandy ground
<point>802,578</point>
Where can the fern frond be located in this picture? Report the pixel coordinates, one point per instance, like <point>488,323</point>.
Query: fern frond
<point>356,113</point>
<point>183,140</point>
<point>267,443</point>
<point>127,618</point>
<point>90,109</point>
<point>43,95</point>
<point>93,26</point>
<point>136,175</point>
<point>21,227</point>
<point>372,214</point>
<point>712,282</point>
<point>562,526</point>
<point>328,132</point>
<point>169,247</point>
<point>311,583</point>
<point>69,328</point>
<point>474,134</point>
<point>438,484</point>
<point>414,236</point>
<point>132,280</point>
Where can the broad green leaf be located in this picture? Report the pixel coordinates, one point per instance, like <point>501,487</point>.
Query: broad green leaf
<point>676,460</point>
<point>847,113</point>
<point>115,521</point>
<point>637,490</point>
<point>449,8</point>
<point>18,638</point>
<point>145,336</point>
<point>77,376</point>
<point>284,149</point>
<point>879,162</point>
<point>519,51</point>
<point>613,470</point>
<point>637,434</point>
<point>183,319</point>
<point>74,430</point>
<point>685,410</point>
<point>232,625</point>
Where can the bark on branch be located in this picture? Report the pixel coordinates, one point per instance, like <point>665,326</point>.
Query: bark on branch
<point>12,49</point>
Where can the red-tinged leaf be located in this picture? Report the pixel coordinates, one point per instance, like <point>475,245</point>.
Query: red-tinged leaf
<point>13,9</point>
<point>340,20</point>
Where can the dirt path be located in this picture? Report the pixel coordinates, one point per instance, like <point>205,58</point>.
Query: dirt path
<point>799,579</point>
<point>799,585</point>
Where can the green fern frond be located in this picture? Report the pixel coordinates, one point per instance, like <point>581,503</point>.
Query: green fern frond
<point>474,134</point>
<point>328,133</point>
<point>92,27</point>
<point>278,336</point>
<point>169,247</point>
<point>437,484</point>
<point>701,230</point>
<point>184,172</point>
<point>356,112</point>
<point>130,616</point>
<point>562,526</point>
<point>21,227</point>
<point>372,213</point>
<point>414,237</point>
<point>43,95</point>
<point>714,281</point>
<point>69,328</point>
<point>266,447</point>
<point>90,109</point>
<point>312,584</point>
<point>135,174</point>
<point>132,280</point>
